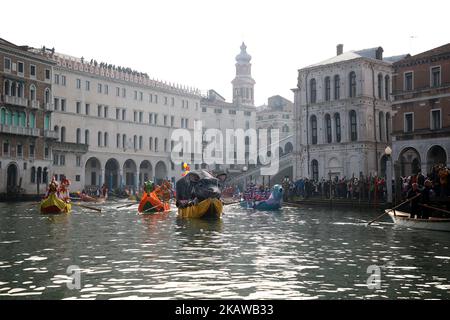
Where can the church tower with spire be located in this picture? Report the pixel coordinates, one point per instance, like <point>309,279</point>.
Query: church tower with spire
<point>243,83</point>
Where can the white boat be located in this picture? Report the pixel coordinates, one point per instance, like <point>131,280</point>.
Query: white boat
<point>403,219</point>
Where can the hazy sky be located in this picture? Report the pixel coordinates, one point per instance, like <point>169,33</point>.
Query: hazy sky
<point>194,42</point>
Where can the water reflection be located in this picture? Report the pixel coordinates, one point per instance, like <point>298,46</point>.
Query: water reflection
<point>294,253</point>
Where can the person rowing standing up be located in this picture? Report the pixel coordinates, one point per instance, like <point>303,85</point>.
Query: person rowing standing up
<point>414,204</point>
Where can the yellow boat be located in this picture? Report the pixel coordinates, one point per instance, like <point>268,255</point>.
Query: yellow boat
<point>208,208</point>
<point>53,205</point>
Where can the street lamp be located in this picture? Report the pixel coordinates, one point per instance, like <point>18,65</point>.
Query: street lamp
<point>388,152</point>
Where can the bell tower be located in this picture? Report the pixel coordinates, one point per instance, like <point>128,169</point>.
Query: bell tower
<point>243,83</point>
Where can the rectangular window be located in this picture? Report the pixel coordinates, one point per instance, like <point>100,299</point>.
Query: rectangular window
<point>231,111</point>
<point>99,88</point>
<point>165,120</point>
<point>99,110</point>
<point>150,118</point>
<point>77,178</point>
<point>7,64</point>
<point>105,112</point>
<point>166,101</point>
<point>117,114</point>
<point>409,122</point>
<point>247,113</point>
<point>55,159</point>
<point>19,151</point>
<point>135,116</point>
<point>20,67</point>
<point>217,110</point>
<point>141,116</point>
<point>46,152</point>
<point>78,161</point>
<point>124,93</point>
<point>172,103</point>
<point>106,89</point>
<point>203,109</point>
<point>63,80</point>
<point>78,83</point>
<point>435,119</point>
<point>47,74</point>
<point>156,119</point>
<point>117,92</point>
<point>33,70</point>
<point>87,108</point>
<point>56,78</point>
<point>156,98</point>
<point>124,114</point>
<point>31,150</point>
<point>63,105</point>
<point>6,148</point>
<point>135,95</point>
<point>62,160</point>
<point>436,76</point>
<point>141,96</point>
<point>408,81</point>
<point>56,103</point>
<point>172,120</point>
<point>88,85</point>
<point>150,97</point>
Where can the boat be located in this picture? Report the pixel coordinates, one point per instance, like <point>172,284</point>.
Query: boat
<point>404,219</point>
<point>210,208</point>
<point>274,201</point>
<point>54,205</point>
<point>150,204</point>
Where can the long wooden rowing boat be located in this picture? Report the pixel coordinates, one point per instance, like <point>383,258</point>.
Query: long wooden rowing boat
<point>404,219</point>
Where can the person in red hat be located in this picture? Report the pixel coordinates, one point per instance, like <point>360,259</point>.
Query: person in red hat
<point>64,190</point>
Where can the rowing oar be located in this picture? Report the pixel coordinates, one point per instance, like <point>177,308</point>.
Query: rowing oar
<point>406,201</point>
<point>87,207</point>
<point>433,208</point>
<point>126,205</point>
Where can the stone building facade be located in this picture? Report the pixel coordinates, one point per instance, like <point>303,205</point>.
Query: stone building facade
<point>25,113</point>
<point>342,112</point>
<point>421,124</point>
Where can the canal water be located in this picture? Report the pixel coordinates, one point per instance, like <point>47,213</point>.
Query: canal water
<point>296,253</point>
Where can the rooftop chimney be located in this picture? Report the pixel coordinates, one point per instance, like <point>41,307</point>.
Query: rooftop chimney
<point>339,49</point>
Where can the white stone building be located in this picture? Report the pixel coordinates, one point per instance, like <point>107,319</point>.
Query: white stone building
<point>342,112</point>
<point>114,125</point>
<point>240,114</point>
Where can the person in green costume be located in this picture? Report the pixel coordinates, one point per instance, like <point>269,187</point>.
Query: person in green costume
<point>148,186</point>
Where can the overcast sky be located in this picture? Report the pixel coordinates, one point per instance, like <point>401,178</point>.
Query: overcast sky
<point>194,42</point>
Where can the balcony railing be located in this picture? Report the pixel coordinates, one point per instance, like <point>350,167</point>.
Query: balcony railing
<point>34,104</point>
<point>35,132</point>
<point>50,134</point>
<point>70,147</point>
<point>15,100</point>
<point>49,106</point>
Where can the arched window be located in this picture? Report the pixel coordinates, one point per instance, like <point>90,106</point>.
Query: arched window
<point>337,121</point>
<point>381,123</point>
<point>380,86</point>
<point>156,144</point>
<point>22,119</point>
<point>56,129</point>
<point>20,90</point>
<point>387,86</point>
<point>150,143</point>
<point>13,88</point>
<point>63,134</point>
<point>124,141</point>
<point>313,90</point>
<point>353,126</point>
<point>118,140</point>
<point>388,126</point>
<point>314,129</point>
<point>86,137</point>
<point>78,135</point>
<point>16,118</point>
<point>315,170</point>
<point>7,88</point>
<point>337,87</point>
<point>32,92</point>
<point>105,139</point>
<point>328,128</point>
<point>352,84</point>
<point>99,138</point>
<point>33,175</point>
<point>141,142</point>
<point>327,89</point>
<point>47,96</point>
<point>135,142</point>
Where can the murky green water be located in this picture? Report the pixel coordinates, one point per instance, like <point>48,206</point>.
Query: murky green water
<point>297,253</point>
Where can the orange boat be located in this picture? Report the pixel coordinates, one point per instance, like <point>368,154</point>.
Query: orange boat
<point>150,203</point>
<point>86,198</point>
